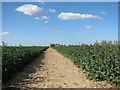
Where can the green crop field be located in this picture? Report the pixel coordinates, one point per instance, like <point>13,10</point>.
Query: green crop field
<point>15,58</point>
<point>99,62</point>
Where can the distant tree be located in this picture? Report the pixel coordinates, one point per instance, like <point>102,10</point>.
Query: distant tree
<point>69,45</point>
<point>57,44</point>
<point>20,45</point>
<point>115,42</point>
<point>103,43</point>
<point>90,44</point>
<point>64,45</point>
<point>109,42</point>
<point>83,44</point>
<point>96,43</point>
<point>4,44</point>
<point>52,45</point>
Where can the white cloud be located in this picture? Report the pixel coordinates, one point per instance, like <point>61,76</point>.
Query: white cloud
<point>30,9</point>
<point>88,26</point>
<point>46,21</point>
<point>37,18</point>
<point>67,16</point>
<point>4,33</point>
<point>44,17</point>
<point>103,12</point>
<point>52,10</point>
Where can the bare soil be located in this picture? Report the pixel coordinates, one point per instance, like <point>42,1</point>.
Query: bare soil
<point>53,70</point>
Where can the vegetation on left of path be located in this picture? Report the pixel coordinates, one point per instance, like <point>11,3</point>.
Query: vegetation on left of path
<point>15,58</point>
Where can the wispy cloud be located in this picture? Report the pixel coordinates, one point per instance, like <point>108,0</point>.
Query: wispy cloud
<point>4,33</point>
<point>37,18</point>
<point>42,18</point>
<point>88,26</point>
<point>46,21</point>
<point>30,9</point>
<point>52,10</point>
<point>59,31</point>
<point>67,16</point>
<point>103,12</point>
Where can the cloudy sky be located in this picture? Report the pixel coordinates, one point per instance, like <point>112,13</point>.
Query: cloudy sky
<point>42,23</point>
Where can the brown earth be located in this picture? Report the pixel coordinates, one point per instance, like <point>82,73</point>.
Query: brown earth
<point>53,70</point>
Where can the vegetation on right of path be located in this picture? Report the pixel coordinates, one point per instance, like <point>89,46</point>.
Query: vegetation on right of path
<point>100,62</point>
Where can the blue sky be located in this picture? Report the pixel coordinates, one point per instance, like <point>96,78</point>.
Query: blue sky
<point>35,23</point>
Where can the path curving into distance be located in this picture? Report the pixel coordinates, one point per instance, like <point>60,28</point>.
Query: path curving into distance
<point>53,70</point>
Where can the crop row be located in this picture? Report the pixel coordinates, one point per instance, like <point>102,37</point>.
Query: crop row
<point>99,62</point>
<point>15,58</point>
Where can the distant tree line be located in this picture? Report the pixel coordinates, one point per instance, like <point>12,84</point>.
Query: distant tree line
<point>103,43</point>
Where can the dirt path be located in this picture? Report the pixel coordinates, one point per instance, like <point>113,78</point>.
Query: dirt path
<point>52,70</point>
